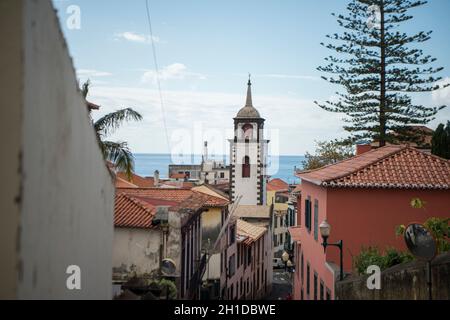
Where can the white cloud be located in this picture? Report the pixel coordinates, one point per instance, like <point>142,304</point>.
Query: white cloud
<point>298,121</point>
<point>175,71</point>
<point>442,96</point>
<point>92,73</point>
<point>135,37</point>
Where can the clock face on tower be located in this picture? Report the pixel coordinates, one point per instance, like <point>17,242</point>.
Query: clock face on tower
<point>248,155</point>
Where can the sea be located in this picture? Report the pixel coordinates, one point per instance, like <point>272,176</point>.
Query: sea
<point>278,166</point>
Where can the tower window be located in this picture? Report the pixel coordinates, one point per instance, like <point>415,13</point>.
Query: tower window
<point>246,167</point>
<point>248,131</point>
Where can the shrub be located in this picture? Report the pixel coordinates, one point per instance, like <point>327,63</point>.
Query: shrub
<point>372,256</point>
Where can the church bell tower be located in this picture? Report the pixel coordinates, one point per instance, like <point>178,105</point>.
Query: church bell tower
<point>248,155</point>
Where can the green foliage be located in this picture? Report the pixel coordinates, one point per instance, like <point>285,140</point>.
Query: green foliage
<point>372,256</point>
<point>116,152</point>
<point>379,67</point>
<point>440,143</point>
<point>327,152</point>
<point>165,284</point>
<point>438,227</point>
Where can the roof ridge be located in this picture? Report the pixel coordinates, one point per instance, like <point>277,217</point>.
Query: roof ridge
<point>387,155</point>
<point>138,202</point>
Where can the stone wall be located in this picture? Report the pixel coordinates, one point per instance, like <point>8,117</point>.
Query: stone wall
<point>407,281</point>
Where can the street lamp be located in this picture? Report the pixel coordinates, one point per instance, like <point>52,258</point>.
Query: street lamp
<point>325,229</point>
<point>285,258</point>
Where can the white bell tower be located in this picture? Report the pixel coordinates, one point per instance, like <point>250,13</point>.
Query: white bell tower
<point>248,155</point>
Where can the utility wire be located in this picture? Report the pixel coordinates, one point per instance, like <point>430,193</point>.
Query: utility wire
<point>158,81</point>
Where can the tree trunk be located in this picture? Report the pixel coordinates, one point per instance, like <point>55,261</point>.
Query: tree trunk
<point>382,116</point>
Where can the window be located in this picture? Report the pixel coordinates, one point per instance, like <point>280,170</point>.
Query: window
<point>222,175</point>
<point>315,286</point>
<point>308,214</point>
<point>246,167</point>
<point>328,294</point>
<point>247,130</point>
<point>232,234</point>
<point>321,290</point>
<point>275,218</point>
<point>249,256</point>
<point>238,255</point>
<point>308,278</point>
<point>302,268</point>
<point>232,265</point>
<point>316,219</point>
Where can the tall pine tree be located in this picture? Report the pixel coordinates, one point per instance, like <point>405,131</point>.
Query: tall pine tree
<point>379,67</point>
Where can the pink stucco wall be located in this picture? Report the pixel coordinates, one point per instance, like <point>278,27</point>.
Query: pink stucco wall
<point>360,217</point>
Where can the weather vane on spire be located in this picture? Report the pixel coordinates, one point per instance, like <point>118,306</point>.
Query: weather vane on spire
<point>249,78</point>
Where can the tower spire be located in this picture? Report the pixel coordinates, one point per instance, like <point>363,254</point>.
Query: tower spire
<point>249,102</point>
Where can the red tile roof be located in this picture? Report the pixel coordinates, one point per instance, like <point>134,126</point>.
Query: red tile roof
<point>174,195</point>
<point>130,212</point>
<point>249,232</point>
<point>277,185</point>
<point>137,180</point>
<point>177,176</point>
<point>122,183</point>
<point>393,166</point>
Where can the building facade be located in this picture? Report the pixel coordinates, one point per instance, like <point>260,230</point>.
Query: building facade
<point>152,224</point>
<point>364,199</point>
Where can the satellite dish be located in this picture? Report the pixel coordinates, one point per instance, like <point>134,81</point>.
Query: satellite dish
<point>420,242</point>
<point>168,267</point>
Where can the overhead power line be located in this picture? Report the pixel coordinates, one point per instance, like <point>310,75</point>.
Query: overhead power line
<point>158,81</point>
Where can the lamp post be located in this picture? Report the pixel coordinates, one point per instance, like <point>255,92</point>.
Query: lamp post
<point>285,258</point>
<point>325,229</point>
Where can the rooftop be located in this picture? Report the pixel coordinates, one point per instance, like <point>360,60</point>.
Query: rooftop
<point>248,111</point>
<point>130,212</point>
<point>392,166</point>
<point>252,211</point>
<point>136,180</point>
<point>248,232</point>
<point>277,185</point>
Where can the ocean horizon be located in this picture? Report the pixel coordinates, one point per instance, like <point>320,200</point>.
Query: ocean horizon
<point>278,166</point>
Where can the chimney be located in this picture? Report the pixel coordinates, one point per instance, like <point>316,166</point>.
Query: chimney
<point>156,178</point>
<point>363,148</point>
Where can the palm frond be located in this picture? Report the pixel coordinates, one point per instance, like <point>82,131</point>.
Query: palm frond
<point>85,88</point>
<point>120,155</point>
<point>110,122</point>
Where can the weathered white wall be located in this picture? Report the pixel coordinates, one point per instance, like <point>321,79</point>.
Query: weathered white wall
<point>66,193</point>
<point>138,247</point>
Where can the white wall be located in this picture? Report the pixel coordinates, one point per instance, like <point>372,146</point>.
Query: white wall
<point>138,247</point>
<point>66,195</point>
<point>247,187</point>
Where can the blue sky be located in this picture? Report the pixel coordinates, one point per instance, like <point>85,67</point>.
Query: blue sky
<point>205,51</point>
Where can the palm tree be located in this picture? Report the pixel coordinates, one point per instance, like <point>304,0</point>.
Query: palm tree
<point>117,152</point>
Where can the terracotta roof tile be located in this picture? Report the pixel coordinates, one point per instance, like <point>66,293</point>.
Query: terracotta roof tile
<point>249,232</point>
<point>139,181</point>
<point>130,212</point>
<point>122,183</point>
<point>393,166</point>
<point>277,185</point>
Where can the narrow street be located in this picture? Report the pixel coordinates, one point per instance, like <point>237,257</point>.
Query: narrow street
<point>281,286</point>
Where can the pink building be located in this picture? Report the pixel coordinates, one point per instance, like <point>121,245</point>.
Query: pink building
<point>363,198</point>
